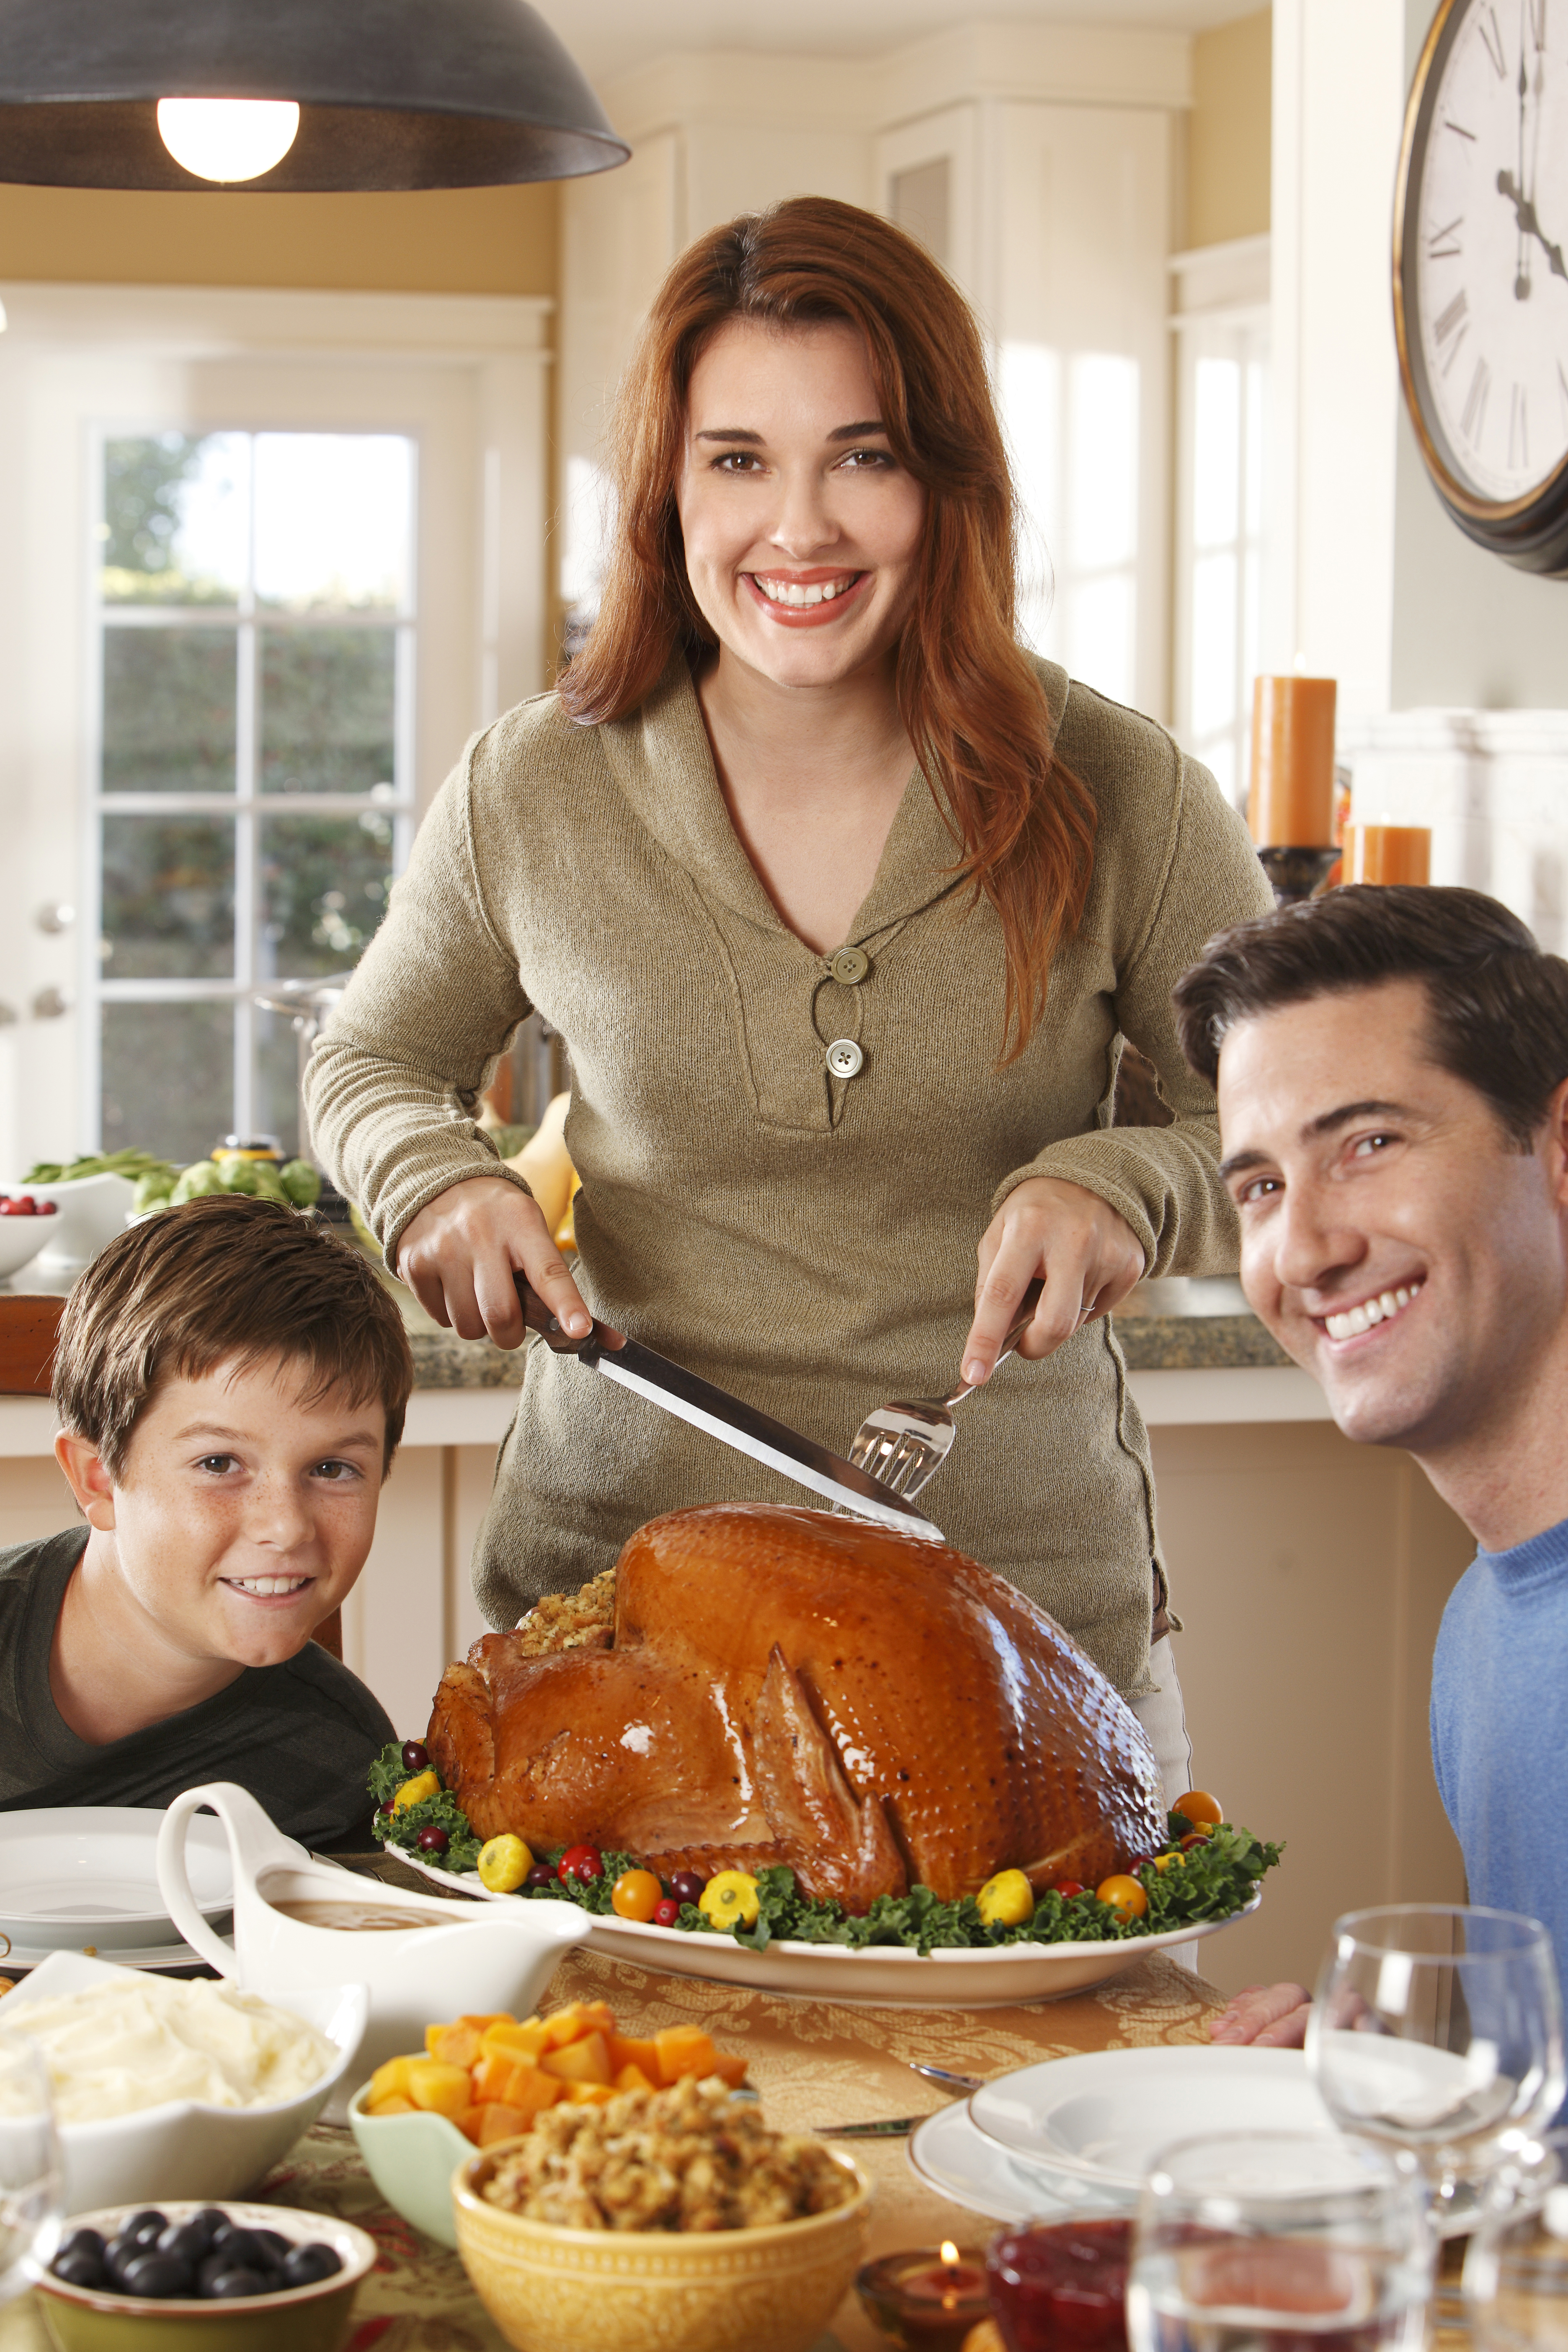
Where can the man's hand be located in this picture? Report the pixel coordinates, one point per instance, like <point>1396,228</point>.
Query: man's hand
<point>1272,2016</point>
<point>1087,1256</point>
<point>460,1253</point>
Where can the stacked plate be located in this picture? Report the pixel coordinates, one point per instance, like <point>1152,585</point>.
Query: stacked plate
<point>1077,2135</point>
<point>85,1877</point>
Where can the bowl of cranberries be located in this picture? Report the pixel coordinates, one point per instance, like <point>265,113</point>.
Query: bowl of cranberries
<point>25,1225</point>
<point>204,2278</point>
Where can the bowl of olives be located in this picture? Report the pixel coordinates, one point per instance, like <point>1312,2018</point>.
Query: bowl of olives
<point>204,2278</point>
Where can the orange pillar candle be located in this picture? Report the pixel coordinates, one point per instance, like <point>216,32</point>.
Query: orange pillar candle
<point>1291,805</point>
<point>1388,853</point>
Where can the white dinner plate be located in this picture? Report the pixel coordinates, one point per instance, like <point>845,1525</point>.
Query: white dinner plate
<point>77,1874</point>
<point>1100,2118</point>
<point>959,2162</point>
<point>885,1973</point>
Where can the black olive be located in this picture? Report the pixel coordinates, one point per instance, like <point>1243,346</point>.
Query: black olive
<point>91,2241</point>
<point>186,2241</point>
<point>157,2275</point>
<point>215,2266</point>
<point>81,2268</point>
<point>241,2251</point>
<point>235,2283</point>
<point>212,2219</point>
<point>144,2226</point>
<point>306,2265</point>
<point>118,2253</point>
<point>274,2242</point>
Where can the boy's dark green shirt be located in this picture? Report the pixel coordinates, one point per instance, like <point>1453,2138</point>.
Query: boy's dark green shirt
<point>300,1736</point>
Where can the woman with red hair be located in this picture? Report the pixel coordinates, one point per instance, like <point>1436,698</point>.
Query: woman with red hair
<point>844,905</point>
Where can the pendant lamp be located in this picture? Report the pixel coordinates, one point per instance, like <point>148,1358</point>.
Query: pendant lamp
<point>291,95</point>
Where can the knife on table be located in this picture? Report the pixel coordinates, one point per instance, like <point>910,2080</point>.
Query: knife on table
<point>725,1417</point>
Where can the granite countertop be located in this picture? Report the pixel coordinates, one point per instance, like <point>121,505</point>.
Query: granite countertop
<point>1181,1324</point>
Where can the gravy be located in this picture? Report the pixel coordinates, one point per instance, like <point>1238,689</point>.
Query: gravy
<point>357,1918</point>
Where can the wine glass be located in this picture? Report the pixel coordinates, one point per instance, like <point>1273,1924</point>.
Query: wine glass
<point>1439,2029</point>
<point>31,2178</point>
<point>1279,2241</point>
<point>1516,2268</point>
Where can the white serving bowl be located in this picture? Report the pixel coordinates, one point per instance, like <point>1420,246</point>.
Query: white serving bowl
<point>90,1212</point>
<point>186,2148</point>
<point>22,1238</point>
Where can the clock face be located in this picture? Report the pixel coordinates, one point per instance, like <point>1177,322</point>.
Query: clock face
<point>1485,246</point>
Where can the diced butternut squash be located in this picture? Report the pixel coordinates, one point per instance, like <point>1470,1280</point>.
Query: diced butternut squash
<point>492,2077</point>
<point>454,2045</point>
<point>533,2091</point>
<point>684,2050</point>
<point>577,2020</point>
<point>394,2104</point>
<point>498,2121</point>
<point>587,2061</point>
<point>625,2051</point>
<point>632,2078</point>
<point>468,2123</point>
<point>392,2077</point>
<point>590,2094</point>
<point>443,2090</point>
<point>532,2038</point>
<point>482,2024</point>
<point>729,2070</point>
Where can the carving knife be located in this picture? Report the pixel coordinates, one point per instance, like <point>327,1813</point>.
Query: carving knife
<point>727,1418</point>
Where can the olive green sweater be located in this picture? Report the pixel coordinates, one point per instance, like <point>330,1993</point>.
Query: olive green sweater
<point>806,1240</point>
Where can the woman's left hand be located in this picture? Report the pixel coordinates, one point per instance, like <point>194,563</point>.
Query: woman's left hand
<point>1088,1257</point>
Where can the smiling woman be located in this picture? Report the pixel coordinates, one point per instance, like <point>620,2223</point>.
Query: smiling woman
<point>844,907</point>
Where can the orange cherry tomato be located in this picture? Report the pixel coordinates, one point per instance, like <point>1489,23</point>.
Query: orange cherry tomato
<point>637,1894</point>
<point>1198,1807</point>
<point>1124,1895</point>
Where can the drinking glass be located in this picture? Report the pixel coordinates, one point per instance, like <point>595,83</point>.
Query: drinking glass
<point>31,2179</point>
<point>1439,2029</point>
<point>1516,2268</point>
<point>1279,2241</point>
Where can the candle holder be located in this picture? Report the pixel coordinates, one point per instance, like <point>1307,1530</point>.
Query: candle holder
<point>929,2298</point>
<point>1295,873</point>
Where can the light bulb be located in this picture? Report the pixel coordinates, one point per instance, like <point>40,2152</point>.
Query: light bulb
<point>227,139</point>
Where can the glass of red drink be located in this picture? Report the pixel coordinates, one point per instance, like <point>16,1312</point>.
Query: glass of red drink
<point>1061,2286</point>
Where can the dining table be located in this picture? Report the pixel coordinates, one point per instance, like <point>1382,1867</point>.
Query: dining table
<point>811,2061</point>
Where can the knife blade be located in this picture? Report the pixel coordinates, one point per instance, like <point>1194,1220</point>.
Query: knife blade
<point>890,2128</point>
<point>728,1418</point>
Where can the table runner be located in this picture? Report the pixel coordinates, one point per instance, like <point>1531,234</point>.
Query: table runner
<point>814,2061</point>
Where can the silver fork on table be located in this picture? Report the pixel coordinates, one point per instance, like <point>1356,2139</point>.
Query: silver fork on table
<point>905,1441</point>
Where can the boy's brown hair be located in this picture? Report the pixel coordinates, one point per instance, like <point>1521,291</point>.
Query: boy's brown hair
<point>224,1277</point>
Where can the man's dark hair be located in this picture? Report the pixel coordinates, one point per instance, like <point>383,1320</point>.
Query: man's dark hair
<point>224,1277</point>
<point>1496,1006</point>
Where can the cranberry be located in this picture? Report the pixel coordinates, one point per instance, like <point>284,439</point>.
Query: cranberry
<point>384,1806</point>
<point>1067,1888</point>
<point>49,1209</point>
<point>21,1206</point>
<point>687,1885</point>
<point>541,1875</point>
<point>666,1914</point>
<point>1064,2282</point>
<point>434,1840</point>
<point>415,1755</point>
<point>582,1863</point>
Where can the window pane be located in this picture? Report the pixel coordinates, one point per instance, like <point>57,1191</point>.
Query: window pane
<point>334,519</point>
<point>1103,459</point>
<point>323,891</point>
<point>168,898</point>
<point>176,510</point>
<point>168,710</point>
<point>1216,451</point>
<point>327,698</point>
<point>168,1077</point>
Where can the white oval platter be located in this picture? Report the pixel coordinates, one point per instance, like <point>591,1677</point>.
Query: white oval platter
<point>887,1973</point>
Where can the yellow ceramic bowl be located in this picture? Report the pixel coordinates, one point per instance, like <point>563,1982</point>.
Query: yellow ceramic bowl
<point>553,2290</point>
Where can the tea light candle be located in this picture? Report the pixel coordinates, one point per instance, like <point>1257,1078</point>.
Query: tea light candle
<point>1388,853</point>
<point>929,2297</point>
<point>1291,804</point>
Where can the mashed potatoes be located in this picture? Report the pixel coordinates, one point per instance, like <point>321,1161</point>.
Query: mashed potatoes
<point>140,2043</point>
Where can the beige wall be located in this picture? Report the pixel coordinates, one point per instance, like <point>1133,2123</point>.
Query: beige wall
<point>1228,132</point>
<point>441,241</point>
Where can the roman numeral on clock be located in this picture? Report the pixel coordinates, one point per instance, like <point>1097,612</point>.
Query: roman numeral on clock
<point>1473,416</point>
<point>1491,40</point>
<point>1442,244</point>
<point>1517,430</point>
<point>1449,327</point>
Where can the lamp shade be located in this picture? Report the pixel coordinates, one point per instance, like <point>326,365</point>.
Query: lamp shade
<point>392,93</point>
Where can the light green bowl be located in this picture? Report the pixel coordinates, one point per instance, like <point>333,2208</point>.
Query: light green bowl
<point>410,2159</point>
<point>295,2319</point>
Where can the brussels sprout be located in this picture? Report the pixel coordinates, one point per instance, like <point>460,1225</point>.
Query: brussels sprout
<point>241,1176</point>
<point>201,1176</point>
<point>152,1191</point>
<point>301,1183</point>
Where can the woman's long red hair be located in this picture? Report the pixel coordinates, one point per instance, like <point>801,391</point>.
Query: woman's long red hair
<point>970,702</point>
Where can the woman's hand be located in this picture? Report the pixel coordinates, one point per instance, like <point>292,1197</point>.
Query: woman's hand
<point>1272,2016</point>
<point>1086,1255</point>
<point>459,1255</point>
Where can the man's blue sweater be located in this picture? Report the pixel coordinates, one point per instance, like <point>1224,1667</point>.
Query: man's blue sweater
<point>1500,1728</point>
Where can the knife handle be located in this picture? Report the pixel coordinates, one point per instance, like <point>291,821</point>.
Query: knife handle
<point>538,1317</point>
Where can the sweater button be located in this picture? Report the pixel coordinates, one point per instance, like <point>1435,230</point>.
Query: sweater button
<point>849,966</point>
<point>844,1058</point>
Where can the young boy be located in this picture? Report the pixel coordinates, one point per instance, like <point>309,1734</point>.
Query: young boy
<point>231,1382</point>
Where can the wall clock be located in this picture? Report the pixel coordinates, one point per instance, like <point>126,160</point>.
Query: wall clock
<point>1480,273</point>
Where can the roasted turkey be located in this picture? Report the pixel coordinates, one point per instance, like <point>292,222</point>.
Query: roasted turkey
<point>788,1687</point>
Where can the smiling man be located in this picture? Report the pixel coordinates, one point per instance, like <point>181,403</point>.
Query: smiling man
<point>1392,1068</point>
<point>231,1381</point>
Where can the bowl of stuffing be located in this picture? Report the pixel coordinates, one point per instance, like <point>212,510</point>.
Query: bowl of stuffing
<point>668,2217</point>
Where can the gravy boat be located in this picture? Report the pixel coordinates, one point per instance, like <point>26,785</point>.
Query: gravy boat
<point>454,1957</point>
